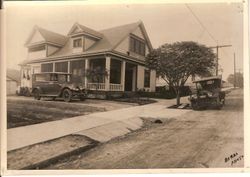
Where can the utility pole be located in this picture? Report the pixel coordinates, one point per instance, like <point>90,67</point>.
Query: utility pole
<point>217,57</point>
<point>234,72</point>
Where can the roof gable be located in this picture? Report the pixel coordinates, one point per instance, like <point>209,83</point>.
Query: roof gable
<point>40,35</point>
<point>36,38</point>
<point>139,31</point>
<point>78,29</point>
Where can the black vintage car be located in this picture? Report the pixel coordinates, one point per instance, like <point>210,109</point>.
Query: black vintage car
<point>207,94</point>
<point>55,84</point>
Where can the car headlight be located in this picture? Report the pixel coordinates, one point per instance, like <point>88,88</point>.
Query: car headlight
<point>203,96</point>
<point>209,94</point>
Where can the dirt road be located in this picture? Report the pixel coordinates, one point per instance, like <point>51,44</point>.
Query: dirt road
<point>200,139</point>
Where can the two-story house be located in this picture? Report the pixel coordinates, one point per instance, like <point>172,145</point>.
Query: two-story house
<point>121,50</point>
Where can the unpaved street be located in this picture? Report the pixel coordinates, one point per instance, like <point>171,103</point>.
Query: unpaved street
<point>198,139</point>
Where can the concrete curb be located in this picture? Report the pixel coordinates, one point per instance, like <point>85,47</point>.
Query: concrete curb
<point>55,159</point>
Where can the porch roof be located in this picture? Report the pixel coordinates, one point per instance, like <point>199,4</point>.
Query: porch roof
<point>114,54</point>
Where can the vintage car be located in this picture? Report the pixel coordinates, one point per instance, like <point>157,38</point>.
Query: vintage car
<point>207,94</point>
<point>54,85</point>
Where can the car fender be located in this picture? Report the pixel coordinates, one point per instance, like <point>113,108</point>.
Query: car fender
<point>36,88</point>
<point>60,94</point>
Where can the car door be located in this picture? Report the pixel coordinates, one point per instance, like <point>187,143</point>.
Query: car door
<point>55,87</point>
<point>41,82</point>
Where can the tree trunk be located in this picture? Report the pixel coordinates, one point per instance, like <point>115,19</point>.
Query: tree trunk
<point>178,97</point>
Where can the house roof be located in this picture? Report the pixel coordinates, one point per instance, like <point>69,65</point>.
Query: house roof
<point>13,74</point>
<point>86,30</point>
<point>50,36</point>
<point>110,39</point>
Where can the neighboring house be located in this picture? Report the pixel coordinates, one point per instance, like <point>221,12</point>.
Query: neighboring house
<point>12,81</point>
<point>121,50</point>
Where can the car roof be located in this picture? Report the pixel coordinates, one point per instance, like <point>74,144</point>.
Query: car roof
<point>208,78</point>
<point>52,73</point>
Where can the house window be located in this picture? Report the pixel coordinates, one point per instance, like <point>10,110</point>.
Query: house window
<point>137,45</point>
<point>77,67</point>
<point>146,78</point>
<point>61,67</point>
<point>38,48</point>
<point>115,72</point>
<point>47,67</point>
<point>77,43</point>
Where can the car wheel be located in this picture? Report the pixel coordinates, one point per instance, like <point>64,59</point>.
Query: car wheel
<point>67,95</point>
<point>36,94</point>
<point>195,105</point>
<point>82,98</point>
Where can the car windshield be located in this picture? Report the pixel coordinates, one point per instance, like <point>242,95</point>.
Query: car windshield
<point>42,77</point>
<point>208,85</point>
<point>63,78</point>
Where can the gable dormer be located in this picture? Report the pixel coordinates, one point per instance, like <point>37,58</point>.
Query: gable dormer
<point>43,43</point>
<point>136,43</point>
<point>82,37</point>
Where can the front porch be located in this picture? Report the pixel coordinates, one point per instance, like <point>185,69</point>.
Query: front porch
<point>121,75</point>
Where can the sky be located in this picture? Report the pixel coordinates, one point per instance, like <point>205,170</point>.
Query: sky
<point>164,23</point>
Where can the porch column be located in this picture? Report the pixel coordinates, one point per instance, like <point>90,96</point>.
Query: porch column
<point>107,79</point>
<point>86,68</point>
<point>123,69</point>
<point>54,67</point>
<point>68,66</point>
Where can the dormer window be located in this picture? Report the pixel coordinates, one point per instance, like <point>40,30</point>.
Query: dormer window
<point>37,48</point>
<point>77,43</point>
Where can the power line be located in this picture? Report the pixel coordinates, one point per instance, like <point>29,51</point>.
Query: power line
<point>200,22</point>
<point>212,37</point>
<point>217,57</point>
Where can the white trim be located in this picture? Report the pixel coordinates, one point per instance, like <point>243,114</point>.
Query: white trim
<point>107,66</point>
<point>54,67</point>
<point>86,68</point>
<point>123,69</point>
<point>42,43</point>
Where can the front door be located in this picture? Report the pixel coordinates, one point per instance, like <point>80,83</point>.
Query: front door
<point>129,80</point>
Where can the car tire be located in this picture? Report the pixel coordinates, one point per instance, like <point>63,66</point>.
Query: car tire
<point>195,105</point>
<point>67,95</point>
<point>36,94</point>
<point>82,98</point>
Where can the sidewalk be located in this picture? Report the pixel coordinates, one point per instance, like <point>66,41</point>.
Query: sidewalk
<point>101,126</point>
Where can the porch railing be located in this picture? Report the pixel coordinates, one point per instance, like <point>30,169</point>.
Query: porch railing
<point>101,86</point>
<point>96,86</point>
<point>115,87</point>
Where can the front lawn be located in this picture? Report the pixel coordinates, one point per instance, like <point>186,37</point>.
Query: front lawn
<point>28,112</point>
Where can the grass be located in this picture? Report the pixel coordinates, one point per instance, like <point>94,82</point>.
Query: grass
<point>28,112</point>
